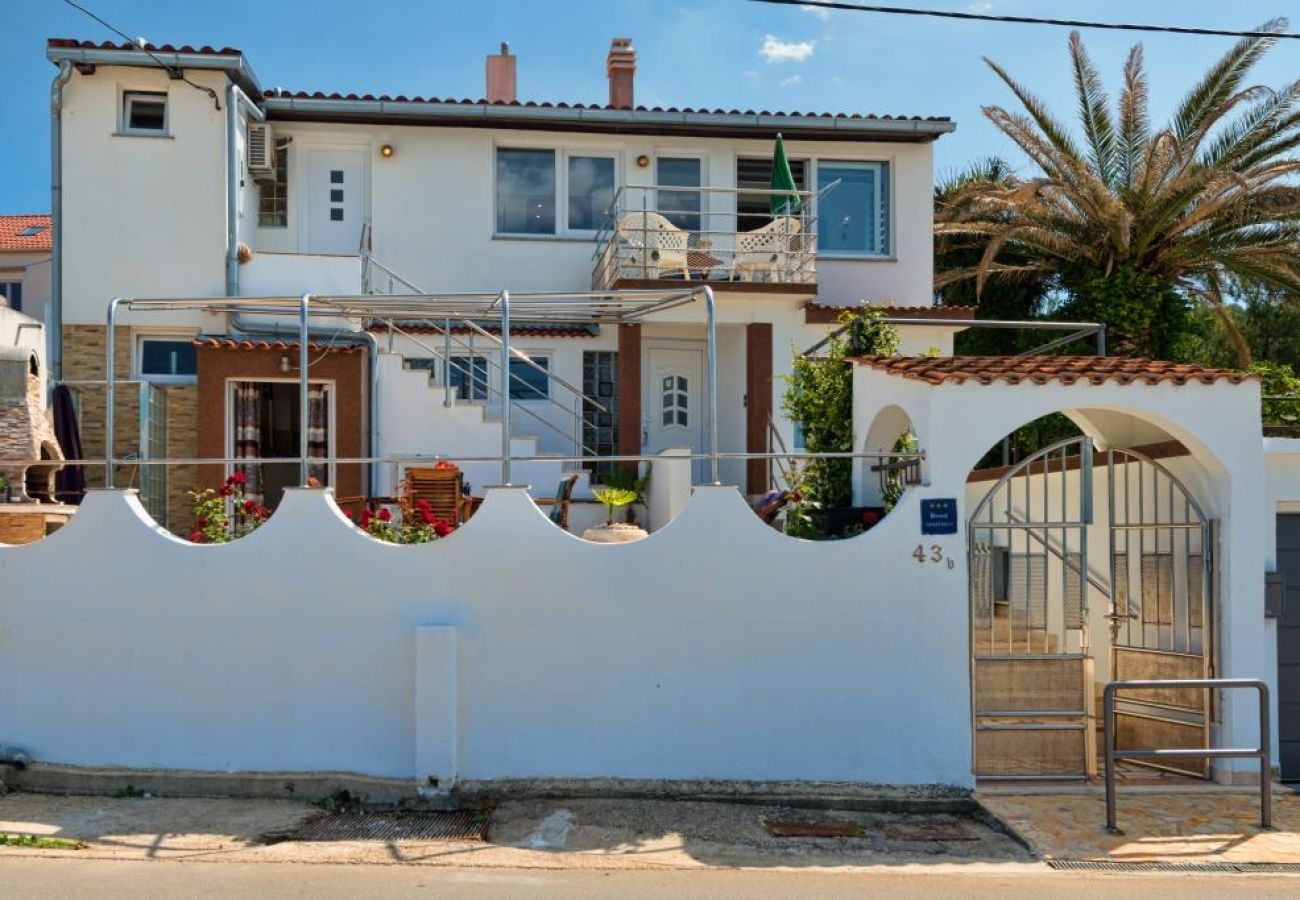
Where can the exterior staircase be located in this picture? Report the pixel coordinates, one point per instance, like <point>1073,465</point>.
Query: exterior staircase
<point>1009,639</point>
<point>418,423</point>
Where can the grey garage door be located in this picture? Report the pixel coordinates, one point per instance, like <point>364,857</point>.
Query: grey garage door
<point>1288,646</point>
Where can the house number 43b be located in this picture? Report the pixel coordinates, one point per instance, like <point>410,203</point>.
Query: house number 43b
<point>932,554</point>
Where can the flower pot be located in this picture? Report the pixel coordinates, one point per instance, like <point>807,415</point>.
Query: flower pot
<point>617,533</point>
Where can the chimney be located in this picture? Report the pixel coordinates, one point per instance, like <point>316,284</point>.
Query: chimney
<point>501,76</point>
<point>620,66</point>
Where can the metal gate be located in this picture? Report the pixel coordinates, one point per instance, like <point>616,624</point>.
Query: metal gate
<point>1031,672</point>
<point>1288,647</point>
<point>1161,562</point>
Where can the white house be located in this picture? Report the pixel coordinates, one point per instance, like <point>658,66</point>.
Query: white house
<point>25,263</point>
<point>966,636</point>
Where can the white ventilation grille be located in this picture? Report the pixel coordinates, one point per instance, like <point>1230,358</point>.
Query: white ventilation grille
<point>261,152</point>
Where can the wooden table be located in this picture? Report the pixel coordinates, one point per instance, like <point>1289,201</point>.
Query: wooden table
<point>26,523</point>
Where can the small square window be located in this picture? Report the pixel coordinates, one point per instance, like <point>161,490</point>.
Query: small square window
<point>144,113</point>
<point>168,359</point>
<point>336,195</point>
<point>336,176</point>
<point>336,214</point>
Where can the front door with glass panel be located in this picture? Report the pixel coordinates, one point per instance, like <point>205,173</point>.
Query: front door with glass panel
<point>672,407</point>
<point>335,193</point>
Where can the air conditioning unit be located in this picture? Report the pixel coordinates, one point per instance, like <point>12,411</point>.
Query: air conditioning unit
<point>261,152</point>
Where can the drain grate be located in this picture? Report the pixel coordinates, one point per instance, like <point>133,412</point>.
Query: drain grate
<point>424,826</point>
<point>784,828</point>
<point>1099,865</point>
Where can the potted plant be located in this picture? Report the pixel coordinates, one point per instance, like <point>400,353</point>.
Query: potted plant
<point>4,488</point>
<point>629,480</point>
<point>819,396</point>
<point>613,532</point>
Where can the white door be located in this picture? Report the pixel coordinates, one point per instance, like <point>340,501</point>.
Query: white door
<point>672,406</point>
<point>335,194</point>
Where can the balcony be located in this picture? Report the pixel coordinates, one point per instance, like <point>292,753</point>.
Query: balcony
<point>655,235</point>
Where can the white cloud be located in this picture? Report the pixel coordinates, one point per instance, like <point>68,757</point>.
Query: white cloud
<point>820,12</point>
<point>793,79</point>
<point>775,50</point>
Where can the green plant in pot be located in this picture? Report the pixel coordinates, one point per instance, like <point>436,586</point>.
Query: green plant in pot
<point>630,480</point>
<point>613,498</point>
<point>819,397</point>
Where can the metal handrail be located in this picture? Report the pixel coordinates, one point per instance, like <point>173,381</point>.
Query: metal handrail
<point>1263,752</point>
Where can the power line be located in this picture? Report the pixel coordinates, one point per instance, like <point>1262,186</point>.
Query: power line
<point>1029,20</point>
<point>174,71</point>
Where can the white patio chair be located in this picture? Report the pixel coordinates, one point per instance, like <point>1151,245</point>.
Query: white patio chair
<point>772,248</point>
<point>648,242</point>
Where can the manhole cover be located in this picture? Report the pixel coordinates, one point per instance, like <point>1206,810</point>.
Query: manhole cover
<point>928,831</point>
<point>433,826</point>
<point>779,828</point>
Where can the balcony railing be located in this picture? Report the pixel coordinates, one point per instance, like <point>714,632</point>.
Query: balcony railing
<point>664,233</point>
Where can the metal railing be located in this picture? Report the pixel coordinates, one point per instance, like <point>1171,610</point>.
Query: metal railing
<point>1263,752</point>
<point>653,232</point>
<point>1280,415</point>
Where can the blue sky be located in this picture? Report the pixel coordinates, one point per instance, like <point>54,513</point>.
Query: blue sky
<point>698,53</point>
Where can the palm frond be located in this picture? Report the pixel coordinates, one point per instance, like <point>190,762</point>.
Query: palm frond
<point>1097,125</point>
<point>1222,81</point>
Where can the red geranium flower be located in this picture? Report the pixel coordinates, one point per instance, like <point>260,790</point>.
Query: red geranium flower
<point>263,512</point>
<point>226,490</point>
<point>236,478</point>
<point>365,519</point>
<point>196,537</point>
<point>441,528</point>
<point>870,517</point>
<point>385,515</point>
<point>250,506</point>
<point>200,522</point>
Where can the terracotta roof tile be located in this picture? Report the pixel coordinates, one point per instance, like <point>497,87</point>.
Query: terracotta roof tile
<point>13,238</point>
<point>226,343</point>
<point>821,314</point>
<point>1045,369</point>
<point>558,330</point>
<point>205,50</point>
<point>547,104</point>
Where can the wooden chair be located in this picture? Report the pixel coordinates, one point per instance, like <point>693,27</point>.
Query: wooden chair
<point>441,488</point>
<point>560,502</point>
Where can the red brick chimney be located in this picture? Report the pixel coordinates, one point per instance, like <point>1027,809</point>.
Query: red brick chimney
<point>620,66</point>
<point>501,76</point>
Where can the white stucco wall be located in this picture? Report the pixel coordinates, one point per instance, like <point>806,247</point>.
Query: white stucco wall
<point>1218,423</point>
<point>716,648</point>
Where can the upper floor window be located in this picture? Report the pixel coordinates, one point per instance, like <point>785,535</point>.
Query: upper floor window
<point>682,208</point>
<point>546,191</point>
<point>755,210</point>
<point>273,196</point>
<point>167,359</point>
<point>144,112</point>
<point>853,216</point>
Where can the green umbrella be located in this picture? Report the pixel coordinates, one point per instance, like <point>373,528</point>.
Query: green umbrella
<point>785,200</point>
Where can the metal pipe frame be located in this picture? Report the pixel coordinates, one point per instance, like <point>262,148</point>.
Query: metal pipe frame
<point>1263,752</point>
<point>504,305</point>
<point>711,333</point>
<point>304,392</point>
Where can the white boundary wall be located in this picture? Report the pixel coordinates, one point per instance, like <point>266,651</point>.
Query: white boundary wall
<point>716,648</point>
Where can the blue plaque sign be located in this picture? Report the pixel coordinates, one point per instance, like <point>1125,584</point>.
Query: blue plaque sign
<point>939,516</point>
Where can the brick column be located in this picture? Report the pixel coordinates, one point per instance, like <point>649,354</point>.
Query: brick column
<point>758,402</point>
<point>629,390</point>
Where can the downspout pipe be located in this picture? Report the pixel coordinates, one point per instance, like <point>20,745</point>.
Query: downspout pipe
<point>235,101</point>
<point>54,313</point>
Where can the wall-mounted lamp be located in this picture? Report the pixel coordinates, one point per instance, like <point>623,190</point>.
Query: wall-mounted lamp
<point>386,151</point>
<point>284,364</point>
<point>642,161</point>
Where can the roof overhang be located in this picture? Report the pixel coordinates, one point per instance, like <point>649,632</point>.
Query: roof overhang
<point>601,119</point>
<point>234,64</point>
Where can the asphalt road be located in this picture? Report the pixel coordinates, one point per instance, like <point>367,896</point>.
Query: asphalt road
<point>143,880</point>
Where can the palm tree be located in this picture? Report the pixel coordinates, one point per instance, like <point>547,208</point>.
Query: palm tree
<point>1196,210</point>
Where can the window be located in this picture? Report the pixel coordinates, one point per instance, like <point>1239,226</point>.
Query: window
<point>167,359</point>
<point>676,402</point>
<point>526,383</point>
<point>682,208</point>
<point>853,216</point>
<point>144,113</point>
<point>755,210</point>
<point>600,429</point>
<point>591,191</point>
<point>31,230</point>
<point>273,196</point>
<point>532,185</point>
<point>525,191</point>
<point>12,293</point>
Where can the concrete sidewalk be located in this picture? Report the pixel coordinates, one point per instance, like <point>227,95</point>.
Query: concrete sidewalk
<point>543,834</point>
<point>1160,825</point>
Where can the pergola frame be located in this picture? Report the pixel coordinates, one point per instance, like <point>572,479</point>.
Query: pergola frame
<point>502,308</point>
